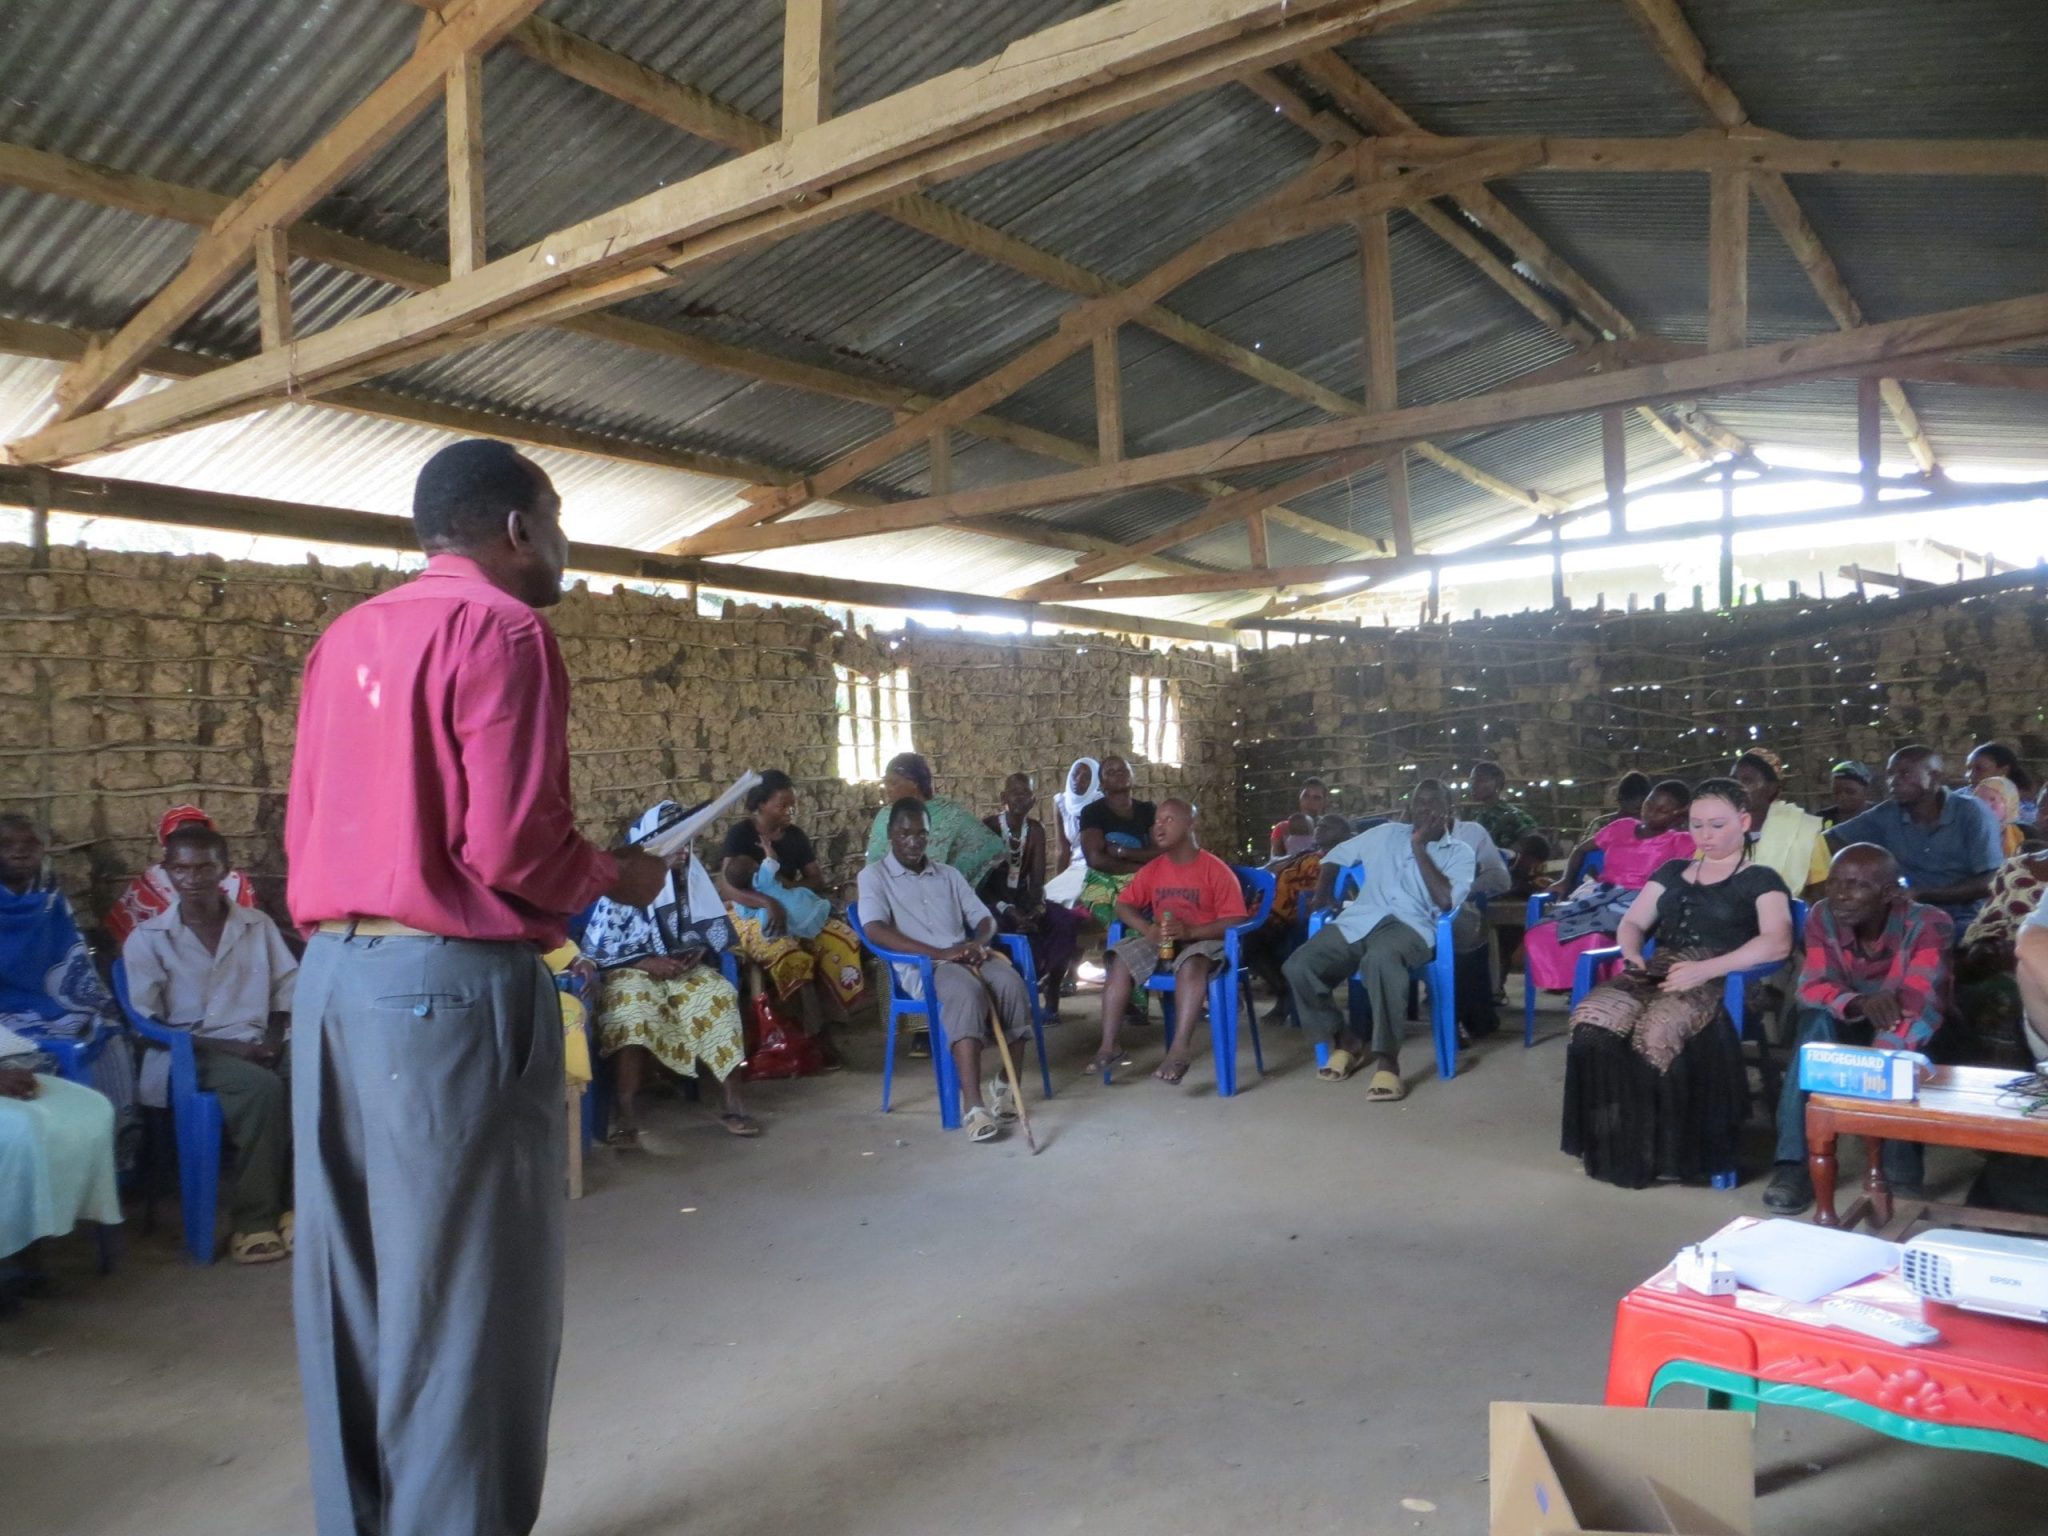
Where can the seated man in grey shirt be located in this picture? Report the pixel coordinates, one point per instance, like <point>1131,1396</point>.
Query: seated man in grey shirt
<point>1414,870</point>
<point>917,906</point>
<point>1946,843</point>
<point>223,972</point>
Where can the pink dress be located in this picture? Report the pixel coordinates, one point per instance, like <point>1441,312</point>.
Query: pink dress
<point>1630,861</point>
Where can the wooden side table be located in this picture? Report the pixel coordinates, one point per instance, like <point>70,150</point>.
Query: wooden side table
<point>1957,1107</point>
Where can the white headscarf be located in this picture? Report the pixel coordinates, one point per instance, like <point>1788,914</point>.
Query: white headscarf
<point>1072,802</point>
<point>619,935</point>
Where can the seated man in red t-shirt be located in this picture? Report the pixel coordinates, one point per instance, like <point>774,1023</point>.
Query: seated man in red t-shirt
<point>1188,897</point>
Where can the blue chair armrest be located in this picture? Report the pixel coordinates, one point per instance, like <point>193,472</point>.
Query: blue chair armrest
<point>729,963</point>
<point>1445,947</point>
<point>184,1058</point>
<point>1533,914</point>
<point>1114,937</point>
<point>1019,946</point>
<point>1589,965</point>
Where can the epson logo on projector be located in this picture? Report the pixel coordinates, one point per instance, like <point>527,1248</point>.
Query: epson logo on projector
<point>2002,1280</point>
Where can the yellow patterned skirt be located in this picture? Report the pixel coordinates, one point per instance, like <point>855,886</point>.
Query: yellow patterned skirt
<point>695,1018</point>
<point>791,964</point>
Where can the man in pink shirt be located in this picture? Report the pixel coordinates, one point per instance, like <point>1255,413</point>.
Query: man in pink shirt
<point>434,856</point>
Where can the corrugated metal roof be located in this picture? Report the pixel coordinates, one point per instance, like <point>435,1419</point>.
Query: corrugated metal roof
<point>207,93</point>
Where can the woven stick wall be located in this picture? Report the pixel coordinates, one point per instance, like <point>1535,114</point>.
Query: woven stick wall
<point>131,682</point>
<point>1567,706</point>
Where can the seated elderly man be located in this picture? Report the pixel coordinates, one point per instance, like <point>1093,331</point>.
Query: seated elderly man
<point>1414,870</point>
<point>915,905</point>
<point>222,971</point>
<point>1876,973</point>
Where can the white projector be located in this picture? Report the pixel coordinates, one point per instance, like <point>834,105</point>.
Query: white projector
<point>1980,1272</point>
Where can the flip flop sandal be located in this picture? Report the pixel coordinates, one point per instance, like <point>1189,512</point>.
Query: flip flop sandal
<point>740,1125</point>
<point>287,1230</point>
<point>1104,1065</point>
<point>256,1247</point>
<point>921,1045</point>
<point>1385,1087</point>
<point>1171,1072</point>
<point>1339,1067</point>
<point>624,1139</point>
<point>980,1125</point>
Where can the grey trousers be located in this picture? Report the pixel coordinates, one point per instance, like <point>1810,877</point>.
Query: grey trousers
<point>1381,958</point>
<point>963,1001</point>
<point>427,1115</point>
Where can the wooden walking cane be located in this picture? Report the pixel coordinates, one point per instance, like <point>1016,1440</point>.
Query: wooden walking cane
<point>995,1015</point>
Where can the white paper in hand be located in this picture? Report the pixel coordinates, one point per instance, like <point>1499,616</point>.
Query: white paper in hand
<point>678,834</point>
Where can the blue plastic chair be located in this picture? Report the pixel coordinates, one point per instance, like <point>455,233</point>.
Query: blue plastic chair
<point>1592,864</point>
<point>1438,974</point>
<point>74,1054</point>
<point>1597,965</point>
<point>597,1098</point>
<point>923,1006</point>
<point>1227,985</point>
<point>196,1125</point>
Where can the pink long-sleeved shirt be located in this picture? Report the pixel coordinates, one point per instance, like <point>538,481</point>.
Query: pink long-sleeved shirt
<point>430,779</point>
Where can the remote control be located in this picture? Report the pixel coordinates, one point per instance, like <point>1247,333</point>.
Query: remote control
<point>1878,1323</point>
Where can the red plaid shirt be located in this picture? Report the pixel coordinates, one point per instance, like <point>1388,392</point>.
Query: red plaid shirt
<point>1909,959</point>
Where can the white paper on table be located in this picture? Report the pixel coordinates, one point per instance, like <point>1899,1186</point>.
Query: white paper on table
<point>663,844</point>
<point>1801,1262</point>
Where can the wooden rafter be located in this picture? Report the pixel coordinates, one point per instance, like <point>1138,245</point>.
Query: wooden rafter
<point>1382,390</point>
<point>1078,328</point>
<point>810,51</point>
<point>54,175</point>
<point>465,115</point>
<point>285,194</point>
<point>1937,496</point>
<point>273,288</point>
<point>22,338</point>
<point>1094,69</point>
<point>1842,353</point>
<point>97,496</point>
<point>1739,147</point>
<point>697,113</point>
<point>1373,111</point>
<point>1674,39</point>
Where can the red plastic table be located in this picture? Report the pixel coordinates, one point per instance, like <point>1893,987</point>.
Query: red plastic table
<point>1983,1387</point>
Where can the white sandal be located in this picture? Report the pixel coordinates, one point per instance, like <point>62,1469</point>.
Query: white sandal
<point>980,1125</point>
<point>1001,1102</point>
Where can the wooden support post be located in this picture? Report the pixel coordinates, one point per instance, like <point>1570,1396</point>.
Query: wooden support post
<point>810,48</point>
<point>1869,433</point>
<point>273,289</point>
<point>941,462</point>
<point>1436,593</point>
<point>1614,459</point>
<point>466,167</point>
<point>1557,599</point>
<point>1109,400</point>
<point>39,518</point>
<point>1382,363</point>
<point>1728,536</point>
<point>1255,533</point>
<point>1727,261</point>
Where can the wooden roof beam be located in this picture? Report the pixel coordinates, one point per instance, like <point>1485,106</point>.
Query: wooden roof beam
<point>1870,348</point>
<point>1672,35</point>
<point>1099,67</point>
<point>176,506</point>
<point>284,194</point>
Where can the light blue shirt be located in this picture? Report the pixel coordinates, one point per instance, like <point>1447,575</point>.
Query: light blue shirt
<point>1393,880</point>
<point>1964,841</point>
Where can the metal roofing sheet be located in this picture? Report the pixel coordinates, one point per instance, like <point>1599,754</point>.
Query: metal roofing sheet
<point>207,92</point>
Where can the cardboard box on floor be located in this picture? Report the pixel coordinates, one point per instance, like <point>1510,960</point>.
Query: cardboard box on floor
<point>1560,1468</point>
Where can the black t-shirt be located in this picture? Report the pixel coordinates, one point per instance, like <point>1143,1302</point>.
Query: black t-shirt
<point>1711,919</point>
<point>1132,833</point>
<point>793,851</point>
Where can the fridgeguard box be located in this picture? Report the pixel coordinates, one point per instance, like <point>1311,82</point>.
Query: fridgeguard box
<point>1860,1071</point>
<point>1558,1469</point>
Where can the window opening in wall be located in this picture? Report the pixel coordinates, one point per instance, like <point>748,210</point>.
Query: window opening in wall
<point>874,721</point>
<point>1155,720</point>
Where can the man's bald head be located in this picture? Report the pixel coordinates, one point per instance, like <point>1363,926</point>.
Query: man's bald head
<point>1863,881</point>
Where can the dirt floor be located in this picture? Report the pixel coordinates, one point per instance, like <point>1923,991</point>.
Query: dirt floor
<point>1286,1311</point>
